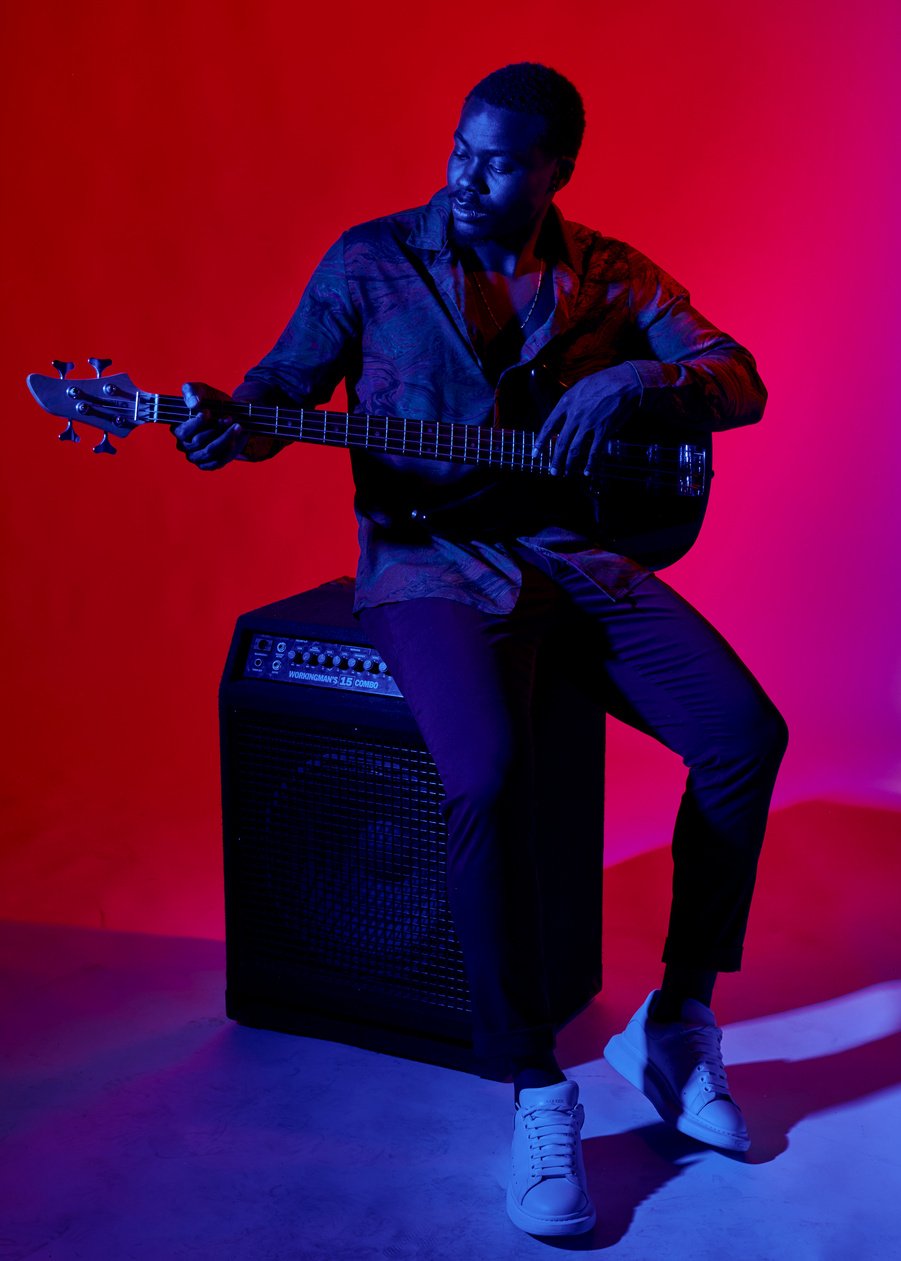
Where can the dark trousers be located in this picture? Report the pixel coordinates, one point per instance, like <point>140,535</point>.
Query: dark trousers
<point>467,677</point>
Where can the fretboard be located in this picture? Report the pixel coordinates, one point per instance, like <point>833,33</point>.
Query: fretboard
<point>456,442</point>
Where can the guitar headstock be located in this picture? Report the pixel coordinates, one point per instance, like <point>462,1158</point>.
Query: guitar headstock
<point>113,404</point>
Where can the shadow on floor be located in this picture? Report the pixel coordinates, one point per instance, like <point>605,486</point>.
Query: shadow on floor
<point>140,1123</point>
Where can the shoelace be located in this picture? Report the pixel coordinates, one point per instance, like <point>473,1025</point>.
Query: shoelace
<point>705,1041</point>
<point>553,1133</point>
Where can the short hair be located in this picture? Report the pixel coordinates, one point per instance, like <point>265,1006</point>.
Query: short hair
<point>527,87</point>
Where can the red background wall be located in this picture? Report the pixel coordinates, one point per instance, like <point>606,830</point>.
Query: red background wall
<point>174,172</point>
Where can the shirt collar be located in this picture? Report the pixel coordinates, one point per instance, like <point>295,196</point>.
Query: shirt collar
<point>430,232</point>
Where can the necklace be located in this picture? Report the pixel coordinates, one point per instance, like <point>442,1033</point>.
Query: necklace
<point>494,320</point>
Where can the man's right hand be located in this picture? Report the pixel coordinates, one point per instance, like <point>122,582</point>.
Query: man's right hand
<point>209,437</point>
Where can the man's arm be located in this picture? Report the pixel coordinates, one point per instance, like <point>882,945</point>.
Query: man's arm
<point>695,373</point>
<point>309,359</point>
<point>683,370</point>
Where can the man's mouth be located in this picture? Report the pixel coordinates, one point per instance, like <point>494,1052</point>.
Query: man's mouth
<point>468,211</point>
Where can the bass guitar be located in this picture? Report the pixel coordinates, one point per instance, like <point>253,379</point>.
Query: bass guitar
<point>647,499</point>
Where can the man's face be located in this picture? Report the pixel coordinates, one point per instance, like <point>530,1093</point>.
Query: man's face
<point>499,175</point>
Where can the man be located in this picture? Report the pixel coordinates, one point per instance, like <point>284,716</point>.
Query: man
<point>443,312</point>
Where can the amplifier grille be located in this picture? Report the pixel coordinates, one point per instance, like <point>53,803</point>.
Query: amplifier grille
<point>340,854</point>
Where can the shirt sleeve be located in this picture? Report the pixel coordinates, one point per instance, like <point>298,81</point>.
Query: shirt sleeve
<point>313,353</point>
<point>693,372</point>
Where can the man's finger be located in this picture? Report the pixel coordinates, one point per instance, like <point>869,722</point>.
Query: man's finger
<point>565,438</point>
<point>575,455</point>
<point>219,450</point>
<point>190,394</point>
<point>553,422</point>
<point>197,430</point>
<point>592,462</point>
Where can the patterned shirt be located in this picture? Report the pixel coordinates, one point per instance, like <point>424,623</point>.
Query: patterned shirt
<point>386,310</point>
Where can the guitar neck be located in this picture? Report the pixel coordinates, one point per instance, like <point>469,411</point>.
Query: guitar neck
<point>457,443</point>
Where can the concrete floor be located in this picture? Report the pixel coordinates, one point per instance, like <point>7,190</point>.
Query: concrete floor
<point>139,1123</point>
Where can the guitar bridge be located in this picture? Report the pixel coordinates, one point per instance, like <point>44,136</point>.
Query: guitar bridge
<point>692,471</point>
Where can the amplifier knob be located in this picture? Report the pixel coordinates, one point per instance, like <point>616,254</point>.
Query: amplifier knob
<point>367,664</point>
<point>321,659</point>
<point>352,663</point>
<point>383,667</point>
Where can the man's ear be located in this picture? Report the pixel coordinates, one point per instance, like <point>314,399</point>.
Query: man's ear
<point>562,173</point>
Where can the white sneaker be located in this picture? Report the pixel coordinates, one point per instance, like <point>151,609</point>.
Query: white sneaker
<point>679,1067</point>
<point>548,1194</point>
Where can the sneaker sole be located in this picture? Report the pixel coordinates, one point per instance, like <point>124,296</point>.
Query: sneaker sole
<point>653,1085</point>
<point>548,1226</point>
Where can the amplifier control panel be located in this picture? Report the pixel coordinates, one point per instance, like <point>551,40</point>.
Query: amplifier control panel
<point>319,663</point>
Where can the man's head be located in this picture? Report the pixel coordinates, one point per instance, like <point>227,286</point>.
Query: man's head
<point>542,93</point>
<point>515,146</point>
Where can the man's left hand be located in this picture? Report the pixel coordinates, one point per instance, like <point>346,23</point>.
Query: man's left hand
<point>589,410</point>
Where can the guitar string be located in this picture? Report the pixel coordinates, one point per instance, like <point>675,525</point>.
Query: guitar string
<point>506,454</point>
<point>353,421</point>
<point>171,409</point>
<point>177,411</point>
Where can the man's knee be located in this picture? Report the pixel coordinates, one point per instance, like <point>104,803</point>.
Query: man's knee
<point>758,738</point>
<point>481,785</point>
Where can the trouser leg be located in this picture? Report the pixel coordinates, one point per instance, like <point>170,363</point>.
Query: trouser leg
<point>656,664</point>
<point>467,678</point>
<point>665,670</point>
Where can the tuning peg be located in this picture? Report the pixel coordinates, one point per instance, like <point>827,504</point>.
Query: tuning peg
<point>100,365</point>
<point>62,367</point>
<point>69,434</point>
<point>104,447</point>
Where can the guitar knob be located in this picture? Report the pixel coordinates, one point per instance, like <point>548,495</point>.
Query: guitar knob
<point>104,447</point>
<point>69,434</point>
<point>62,366</point>
<point>99,365</point>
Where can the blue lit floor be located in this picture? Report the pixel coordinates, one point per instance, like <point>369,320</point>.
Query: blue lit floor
<point>139,1123</point>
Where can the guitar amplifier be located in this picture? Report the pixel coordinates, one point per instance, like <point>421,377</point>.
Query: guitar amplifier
<point>337,920</point>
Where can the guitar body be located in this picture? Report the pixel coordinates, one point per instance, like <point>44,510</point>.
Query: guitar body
<point>654,515</point>
<point>649,499</point>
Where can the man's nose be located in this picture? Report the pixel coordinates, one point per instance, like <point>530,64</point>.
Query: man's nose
<point>471,176</point>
